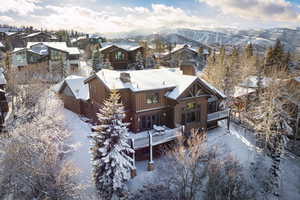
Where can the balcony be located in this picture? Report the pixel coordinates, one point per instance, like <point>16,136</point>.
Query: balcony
<point>159,136</point>
<point>218,115</point>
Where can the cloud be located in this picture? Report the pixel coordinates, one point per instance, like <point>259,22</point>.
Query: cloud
<point>6,20</point>
<point>276,10</point>
<point>21,7</point>
<point>118,19</point>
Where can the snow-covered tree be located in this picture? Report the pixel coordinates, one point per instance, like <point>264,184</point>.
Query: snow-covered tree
<point>97,60</point>
<point>107,64</point>
<point>110,150</point>
<point>139,65</point>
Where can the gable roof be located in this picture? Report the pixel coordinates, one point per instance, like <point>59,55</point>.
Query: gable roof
<point>35,34</point>
<point>57,45</point>
<point>77,86</point>
<point>152,79</point>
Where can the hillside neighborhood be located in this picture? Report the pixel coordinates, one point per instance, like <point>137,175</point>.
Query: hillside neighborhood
<point>175,114</point>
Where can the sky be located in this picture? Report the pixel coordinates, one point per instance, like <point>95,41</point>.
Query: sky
<point>113,16</point>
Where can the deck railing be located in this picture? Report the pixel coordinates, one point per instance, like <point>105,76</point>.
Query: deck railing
<point>141,140</point>
<point>218,115</point>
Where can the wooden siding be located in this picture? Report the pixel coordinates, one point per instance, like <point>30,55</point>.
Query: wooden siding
<point>141,100</point>
<point>98,92</point>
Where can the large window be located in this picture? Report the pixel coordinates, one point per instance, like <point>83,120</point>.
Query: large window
<point>191,113</point>
<point>57,55</point>
<point>119,55</point>
<point>212,107</point>
<point>153,98</point>
<point>148,121</point>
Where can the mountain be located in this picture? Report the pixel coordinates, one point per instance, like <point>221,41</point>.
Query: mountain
<point>261,39</point>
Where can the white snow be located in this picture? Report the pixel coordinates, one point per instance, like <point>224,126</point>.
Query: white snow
<point>252,82</point>
<point>240,144</point>
<point>81,156</point>
<point>77,86</point>
<point>56,45</point>
<point>242,91</point>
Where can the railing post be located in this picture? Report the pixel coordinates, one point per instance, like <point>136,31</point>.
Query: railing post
<point>228,121</point>
<point>151,163</point>
<point>133,170</point>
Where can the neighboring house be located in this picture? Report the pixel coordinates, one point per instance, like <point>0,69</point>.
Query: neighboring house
<point>160,98</point>
<point>3,101</point>
<point>38,37</point>
<point>74,93</point>
<point>87,41</point>
<point>121,58</point>
<point>52,52</point>
<point>184,55</point>
<point>52,57</point>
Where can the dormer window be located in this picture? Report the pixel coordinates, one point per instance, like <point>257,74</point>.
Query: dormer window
<point>153,98</point>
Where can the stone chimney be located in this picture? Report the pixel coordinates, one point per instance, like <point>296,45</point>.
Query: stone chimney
<point>125,77</point>
<point>188,68</point>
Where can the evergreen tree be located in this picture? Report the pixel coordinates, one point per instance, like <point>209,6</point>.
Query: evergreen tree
<point>97,60</point>
<point>107,64</point>
<point>139,65</point>
<point>249,50</point>
<point>112,165</point>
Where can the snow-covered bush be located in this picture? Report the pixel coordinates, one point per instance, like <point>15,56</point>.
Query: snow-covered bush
<point>111,162</point>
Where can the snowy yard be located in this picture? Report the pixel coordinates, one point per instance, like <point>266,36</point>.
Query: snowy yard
<point>237,143</point>
<point>81,157</point>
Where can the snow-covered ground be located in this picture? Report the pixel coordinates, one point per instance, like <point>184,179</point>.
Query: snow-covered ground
<point>81,156</point>
<point>238,143</point>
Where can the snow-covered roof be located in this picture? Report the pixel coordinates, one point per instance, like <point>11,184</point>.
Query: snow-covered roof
<point>252,82</point>
<point>152,79</point>
<point>125,46</point>
<point>241,91</point>
<point>77,86</point>
<point>35,34</point>
<point>10,33</point>
<point>57,45</point>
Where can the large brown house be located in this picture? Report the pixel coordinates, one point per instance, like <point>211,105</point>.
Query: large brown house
<point>121,58</point>
<point>160,97</point>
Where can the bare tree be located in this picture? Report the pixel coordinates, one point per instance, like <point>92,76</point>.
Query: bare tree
<point>33,162</point>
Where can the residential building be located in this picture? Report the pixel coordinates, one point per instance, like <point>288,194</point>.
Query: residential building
<point>160,98</point>
<point>121,57</point>
<point>53,56</point>
<point>184,55</point>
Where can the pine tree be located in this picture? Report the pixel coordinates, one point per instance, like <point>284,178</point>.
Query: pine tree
<point>249,50</point>
<point>139,65</point>
<point>107,64</point>
<point>97,60</point>
<point>112,165</point>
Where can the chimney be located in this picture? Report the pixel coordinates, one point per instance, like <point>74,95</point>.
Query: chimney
<point>125,77</point>
<point>188,69</point>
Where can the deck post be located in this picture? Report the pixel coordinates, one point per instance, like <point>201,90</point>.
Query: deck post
<point>151,163</point>
<point>228,121</point>
<point>133,170</point>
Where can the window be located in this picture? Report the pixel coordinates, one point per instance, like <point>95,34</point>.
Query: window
<point>191,113</point>
<point>153,98</point>
<point>148,121</point>
<point>212,107</point>
<point>119,55</point>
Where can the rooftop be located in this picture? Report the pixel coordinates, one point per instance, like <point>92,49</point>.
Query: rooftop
<point>152,79</point>
<point>56,45</point>
<point>76,84</point>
